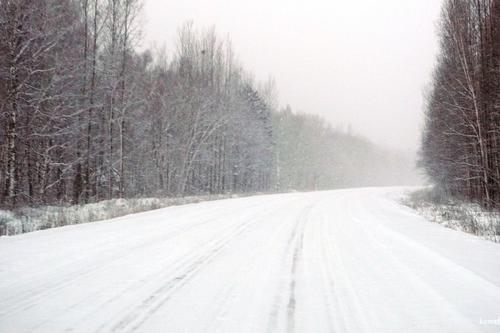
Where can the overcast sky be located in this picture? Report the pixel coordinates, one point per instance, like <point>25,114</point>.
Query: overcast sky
<point>359,62</point>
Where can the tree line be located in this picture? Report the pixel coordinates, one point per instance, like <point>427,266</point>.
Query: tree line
<point>86,117</point>
<point>313,155</point>
<point>461,141</point>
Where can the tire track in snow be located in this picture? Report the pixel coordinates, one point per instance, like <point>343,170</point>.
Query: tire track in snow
<point>293,274</point>
<point>293,251</point>
<point>135,318</point>
<point>328,277</point>
<point>28,299</point>
<point>225,298</point>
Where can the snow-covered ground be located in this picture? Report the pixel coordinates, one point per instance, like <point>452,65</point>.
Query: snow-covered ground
<point>455,214</point>
<point>28,219</point>
<point>338,261</point>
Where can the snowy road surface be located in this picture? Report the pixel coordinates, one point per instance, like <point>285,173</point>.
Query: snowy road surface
<point>339,261</point>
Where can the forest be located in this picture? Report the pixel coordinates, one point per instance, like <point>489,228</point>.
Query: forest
<point>86,117</point>
<point>461,140</point>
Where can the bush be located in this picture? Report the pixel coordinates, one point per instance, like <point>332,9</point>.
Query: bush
<point>29,219</point>
<point>472,218</point>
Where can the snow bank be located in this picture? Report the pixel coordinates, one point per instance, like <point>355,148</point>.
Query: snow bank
<point>29,219</point>
<point>455,214</point>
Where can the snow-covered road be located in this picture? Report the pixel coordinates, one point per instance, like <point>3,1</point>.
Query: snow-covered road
<point>338,261</point>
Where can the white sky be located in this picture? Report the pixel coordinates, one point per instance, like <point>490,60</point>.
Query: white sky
<point>359,62</point>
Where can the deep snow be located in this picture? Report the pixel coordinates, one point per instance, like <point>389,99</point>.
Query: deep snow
<point>338,261</point>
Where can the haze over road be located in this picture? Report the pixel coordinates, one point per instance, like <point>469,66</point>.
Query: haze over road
<point>338,261</point>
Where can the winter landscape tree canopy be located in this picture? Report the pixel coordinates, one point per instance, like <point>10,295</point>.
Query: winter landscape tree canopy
<point>87,116</point>
<point>461,141</point>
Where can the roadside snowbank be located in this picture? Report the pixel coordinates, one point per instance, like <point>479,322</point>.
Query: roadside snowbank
<point>455,214</point>
<point>29,219</point>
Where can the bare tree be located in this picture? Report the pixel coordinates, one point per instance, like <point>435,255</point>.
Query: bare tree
<point>460,143</point>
